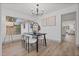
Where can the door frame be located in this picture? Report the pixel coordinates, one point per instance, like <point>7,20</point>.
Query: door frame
<point>75,25</point>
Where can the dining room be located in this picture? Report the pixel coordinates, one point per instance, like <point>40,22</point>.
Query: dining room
<point>34,29</point>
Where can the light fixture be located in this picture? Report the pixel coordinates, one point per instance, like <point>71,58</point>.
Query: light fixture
<point>37,11</point>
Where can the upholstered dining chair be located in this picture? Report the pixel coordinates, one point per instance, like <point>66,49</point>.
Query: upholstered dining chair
<point>36,28</point>
<point>28,41</point>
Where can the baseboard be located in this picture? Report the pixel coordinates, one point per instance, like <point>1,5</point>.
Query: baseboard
<point>57,41</point>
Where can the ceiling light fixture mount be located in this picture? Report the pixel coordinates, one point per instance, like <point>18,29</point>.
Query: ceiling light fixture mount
<point>37,11</point>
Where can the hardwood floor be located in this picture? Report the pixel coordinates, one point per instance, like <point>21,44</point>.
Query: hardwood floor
<point>66,48</point>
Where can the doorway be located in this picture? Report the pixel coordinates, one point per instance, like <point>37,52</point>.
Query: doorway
<point>68,27</point>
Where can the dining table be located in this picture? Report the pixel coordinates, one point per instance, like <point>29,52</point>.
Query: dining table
<point>37,35</point>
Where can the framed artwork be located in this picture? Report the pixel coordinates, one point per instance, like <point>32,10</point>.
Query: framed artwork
<point>11,27</point>
<point>49,21</point>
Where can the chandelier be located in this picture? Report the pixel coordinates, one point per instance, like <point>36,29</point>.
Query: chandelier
<point>37,11</point>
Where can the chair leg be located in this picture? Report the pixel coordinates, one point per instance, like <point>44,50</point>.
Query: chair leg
<point>37,44</point>
<point>36,47</point>
<point>45,40</point>
<point>28,44</point>
<point>28,47</point>
<point>23,43</point>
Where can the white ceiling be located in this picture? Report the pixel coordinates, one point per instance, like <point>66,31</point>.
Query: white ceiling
<point>27,7</point>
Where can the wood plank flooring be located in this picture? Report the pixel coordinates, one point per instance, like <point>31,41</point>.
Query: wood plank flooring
<point>65,48</point>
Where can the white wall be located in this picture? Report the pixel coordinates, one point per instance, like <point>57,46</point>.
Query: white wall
<point>8,12</point>
<point>54,32</point>
<point>77,35</point>
<point>0,33</point>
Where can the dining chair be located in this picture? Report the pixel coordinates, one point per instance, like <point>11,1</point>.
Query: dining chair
<point>36,29</point>
<point>41,38</point>
<point>29,41</point>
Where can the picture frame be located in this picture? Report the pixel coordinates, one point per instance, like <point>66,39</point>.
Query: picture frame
<point>49,21</point>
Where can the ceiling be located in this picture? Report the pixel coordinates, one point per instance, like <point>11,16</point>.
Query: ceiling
<point>26,8</point>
